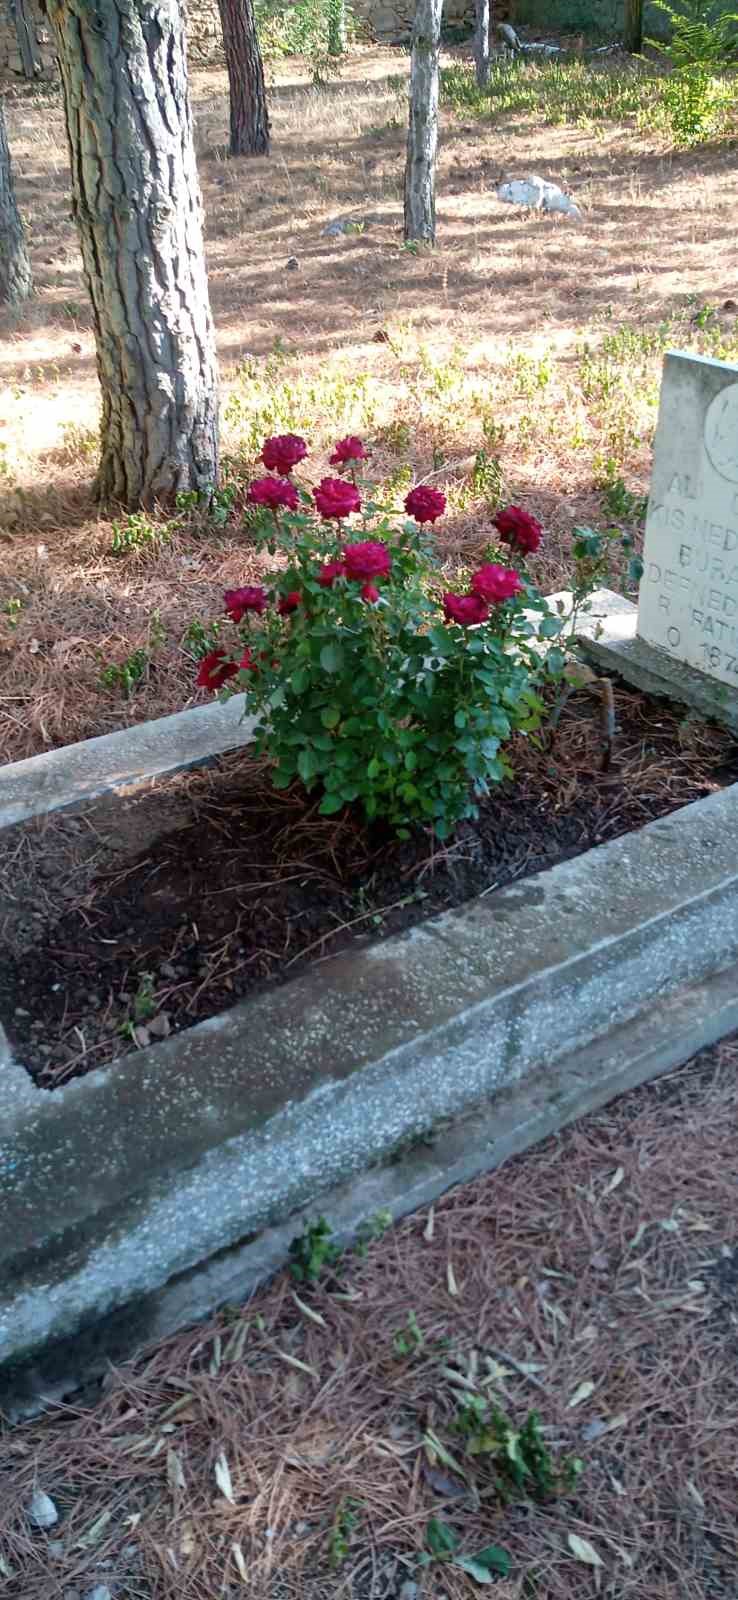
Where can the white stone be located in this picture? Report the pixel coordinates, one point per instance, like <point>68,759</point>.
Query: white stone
<point>538,195</point>
<point>688,601</point>
<point>42,1512</point>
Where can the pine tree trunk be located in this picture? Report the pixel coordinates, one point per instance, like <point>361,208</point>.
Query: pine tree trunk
<point>481,43</point>
<point>136,201</point>
<point>633,27</point>
<point>28,45</point>
<point>15,268</point>
<point>249,114</point>
<point>336,27</point>
<point>422,133</point>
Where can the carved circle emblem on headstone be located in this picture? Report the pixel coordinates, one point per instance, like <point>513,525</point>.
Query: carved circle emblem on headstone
<point>721,432</point>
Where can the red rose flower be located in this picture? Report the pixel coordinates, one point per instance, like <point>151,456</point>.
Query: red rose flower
<point>239,601</point>
<point>518,529</point>
<point>273,493</point>
<point>371,559</point>
<point>329,572</point>
<point>494,584</point>
<point>348,449</point>
<point>370,593</point>
<point>424,504</point>
<point>247,662</point>
<point>466,609</point>
<point>336,498</point>
<point>283,451</point>
<point>289,603</point>
<point>215,669</point>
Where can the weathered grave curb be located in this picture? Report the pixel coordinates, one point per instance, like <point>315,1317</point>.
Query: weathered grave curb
<point>130,1196</point>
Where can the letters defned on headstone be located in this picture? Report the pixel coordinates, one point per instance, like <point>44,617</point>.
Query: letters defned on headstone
<point>688,602</point>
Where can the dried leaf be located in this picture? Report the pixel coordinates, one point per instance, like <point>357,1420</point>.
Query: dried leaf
<point>214,1367</point>
<point>430,1226</point>
<point>453,1287</point>
<point>234,1348</point>
<point>187,1540</point>
<point>441,1483</point>
<point>223,1477</point>
<point>7,1572</point>
<point>582,1393</point>
<point>309,1312</point>
<point>695,1494</point>
<point>240,1562</point>
<point>615,1181</point>
<point>293,1362</point>
<point>185,1403</point>
<point>435,1451</point>
<point>94,1532</point>
<point>175,1474</point>
<point>583,1550</point>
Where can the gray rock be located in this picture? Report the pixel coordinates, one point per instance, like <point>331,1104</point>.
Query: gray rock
<point>293,264</point>
<point>42,1512</point>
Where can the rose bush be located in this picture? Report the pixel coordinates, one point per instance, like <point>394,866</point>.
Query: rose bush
<point>373,686</point>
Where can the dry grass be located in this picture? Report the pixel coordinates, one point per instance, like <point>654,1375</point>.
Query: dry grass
<point>606,1257</point>
<point>486,335</point>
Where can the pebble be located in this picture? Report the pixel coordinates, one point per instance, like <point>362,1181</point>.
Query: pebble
<point>100,1592</point>
<point>293,264</point>
<point>409,1591</point>
<point>42,1512</point>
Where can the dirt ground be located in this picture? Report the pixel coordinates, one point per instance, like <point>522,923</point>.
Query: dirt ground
<point>295,1448</point>
<point>496,340</point>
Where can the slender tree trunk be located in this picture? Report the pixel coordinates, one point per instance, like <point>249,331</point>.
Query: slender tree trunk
<point>249,114</point>
<point>481,43</point>
<point>136,201</point>
<point>633,27</point>
<point>15,268</point>
<point>336,27</point>
<point>422,133</point>
<point>25,31</point>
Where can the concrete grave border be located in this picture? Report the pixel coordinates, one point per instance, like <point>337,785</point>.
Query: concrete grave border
<point>145,1194</point>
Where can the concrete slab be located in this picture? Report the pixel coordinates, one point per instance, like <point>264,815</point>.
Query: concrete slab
<point>120,1189</point>
<point>616,648</point>
<point>121,761</point>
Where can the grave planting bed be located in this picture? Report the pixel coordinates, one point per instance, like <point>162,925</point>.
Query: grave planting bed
<point>435,1010</point>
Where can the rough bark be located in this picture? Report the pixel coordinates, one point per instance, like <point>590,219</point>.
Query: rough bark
<point>481,42</point>
<point>136,201</point>
<point>633,27</point>
<point>28,45</point>
<point>249,114</point>
<point>15,268</point>
<point>422,133</point>
<point>336,27</point>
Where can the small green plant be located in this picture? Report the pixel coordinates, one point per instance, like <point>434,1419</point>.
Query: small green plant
<point>144,1000</point>
<point>410,1340</point>
<point>313,1252</point>
<point>345,1523</point>
<point>486,479</point>
<point>138,534</point>
<point>12,610</point>
<point>702,48</point>
<point>518,1459</point>
<point>620,502</point>
<point>369,1230</point>
<point>213,506</point>
<point>443,1544</point>
<point>7,476</point>
<point>127,674</point>
<point>80,443</point>
<point>199,641</point>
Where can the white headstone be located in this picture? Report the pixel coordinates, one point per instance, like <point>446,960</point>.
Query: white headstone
<point>688,602</point>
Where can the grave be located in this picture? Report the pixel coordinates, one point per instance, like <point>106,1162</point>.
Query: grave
<point>683,639</point>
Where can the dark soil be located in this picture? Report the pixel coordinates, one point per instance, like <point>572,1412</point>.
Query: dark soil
<point>140,917</point>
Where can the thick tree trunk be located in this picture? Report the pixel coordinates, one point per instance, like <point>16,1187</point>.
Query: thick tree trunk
<point>15,268</point>
<point>481,43</point>
<point>336,27</point>
<point>136,201</point>
<point>249,115</point>
<point>633,27</point>
<point>422,133</point>
<point>25,31</point>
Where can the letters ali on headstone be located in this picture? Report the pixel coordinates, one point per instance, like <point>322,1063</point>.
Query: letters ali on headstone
<point>688,602</point>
